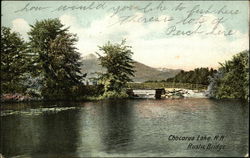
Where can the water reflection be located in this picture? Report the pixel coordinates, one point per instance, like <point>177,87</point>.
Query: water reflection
<point>118,133</point>
<point>59,133</point>
<point>20,135</point>
<point>122,128</point>
<point>105,127</point>
<point>89,142</point>
<point>234,115</point>
<point>44,134</point>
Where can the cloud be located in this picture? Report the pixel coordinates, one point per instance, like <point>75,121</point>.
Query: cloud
<point>193,51</point>
<point>149,43</point>
<point>102,30</point>
<point>21,26</point>
<point>154,50</point>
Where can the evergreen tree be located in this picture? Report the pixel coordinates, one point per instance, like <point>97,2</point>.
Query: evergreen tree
<point>14,61</point>
<point>56,59</point>
<point>119,64</point>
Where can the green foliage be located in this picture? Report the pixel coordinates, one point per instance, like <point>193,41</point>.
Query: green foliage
<point>196,76</point>
<point>49,65</point>
<point>91,90</point>
<point>115,95</point>
<point>119,64</point>
<point>14,61</point>
<point>55,58</point>
<point>232,79</point>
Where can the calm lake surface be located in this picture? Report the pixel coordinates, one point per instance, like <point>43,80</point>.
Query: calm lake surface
<point>123,128</point>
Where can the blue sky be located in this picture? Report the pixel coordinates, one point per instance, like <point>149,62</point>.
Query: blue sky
<point>147,26</point>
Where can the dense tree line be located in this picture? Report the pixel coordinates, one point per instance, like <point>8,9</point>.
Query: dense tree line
<point>232,78</point>
<point>49,56</point>
<point>48,65</point>
<point>196,76</point>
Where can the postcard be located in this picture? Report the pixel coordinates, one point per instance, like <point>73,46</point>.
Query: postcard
<point>124,79</point>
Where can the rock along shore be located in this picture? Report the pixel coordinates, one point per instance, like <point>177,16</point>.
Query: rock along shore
<point>183,93</point>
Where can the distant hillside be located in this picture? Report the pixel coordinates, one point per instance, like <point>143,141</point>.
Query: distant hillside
<point>91,65</point>
<point>145,73</point>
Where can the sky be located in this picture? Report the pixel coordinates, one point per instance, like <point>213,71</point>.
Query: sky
<point>163,34</point>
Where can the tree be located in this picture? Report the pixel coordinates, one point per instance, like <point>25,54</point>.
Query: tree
<point>14,61</point>
<point>196,76</point>
<point>117,59</point>
<point>232,78</point>
<point>57,58</point>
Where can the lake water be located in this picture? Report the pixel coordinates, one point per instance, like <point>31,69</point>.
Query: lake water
<point>124,128</point>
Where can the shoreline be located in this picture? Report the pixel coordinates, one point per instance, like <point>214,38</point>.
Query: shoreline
<point>170,93</point>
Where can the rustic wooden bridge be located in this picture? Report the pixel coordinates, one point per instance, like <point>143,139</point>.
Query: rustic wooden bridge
<point>146,93</point>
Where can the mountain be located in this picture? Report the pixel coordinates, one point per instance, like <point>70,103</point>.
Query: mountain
<point>144,73</point>
<point>91,66</point>
<point>163,69</point>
